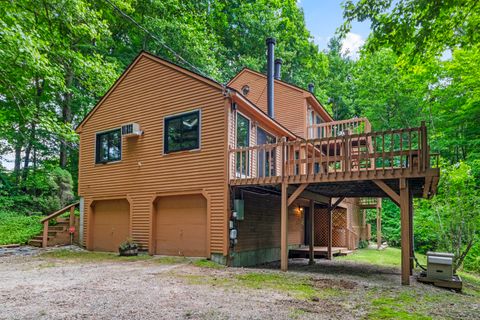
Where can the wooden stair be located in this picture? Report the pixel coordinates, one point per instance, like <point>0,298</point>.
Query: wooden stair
<point>58,234</point>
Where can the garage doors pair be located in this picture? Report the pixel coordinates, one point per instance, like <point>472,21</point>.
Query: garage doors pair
<point>180,225</point>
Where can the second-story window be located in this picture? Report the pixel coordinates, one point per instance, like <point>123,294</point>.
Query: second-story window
<point>108,146</point>
<point>182,132</point>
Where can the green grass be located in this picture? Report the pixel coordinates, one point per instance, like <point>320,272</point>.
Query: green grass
<point>88,256</point>
<point>18,228</point>
<point>391,257</point>
<point>170,260</point>
<point>204,263</point>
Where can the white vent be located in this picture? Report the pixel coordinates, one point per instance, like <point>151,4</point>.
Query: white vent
<point>131,129</point>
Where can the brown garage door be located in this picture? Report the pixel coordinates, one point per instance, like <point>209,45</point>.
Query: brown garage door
<point>111,219</point>
<point>181,226</point>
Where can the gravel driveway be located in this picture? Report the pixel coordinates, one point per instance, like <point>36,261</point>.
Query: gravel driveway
<point>42,287</point>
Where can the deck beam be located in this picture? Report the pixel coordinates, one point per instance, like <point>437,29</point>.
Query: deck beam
<point>389,191</point>
<point>296,193</point>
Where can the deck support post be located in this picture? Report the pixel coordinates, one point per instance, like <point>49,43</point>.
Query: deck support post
<point>410,217</point>
<point>284,228</point>
<point>312,233</point>
<point>45,234</point>
<point>379,223</point>
<point>330,231</point>
<point>405,200</point>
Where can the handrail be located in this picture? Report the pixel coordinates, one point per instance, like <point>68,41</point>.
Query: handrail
<point>59,212</point>
<point>404,149</point>
<point>45,220</point>
<point>338,128</point>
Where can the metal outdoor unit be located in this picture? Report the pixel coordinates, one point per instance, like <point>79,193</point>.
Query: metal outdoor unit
<point>439,265</point>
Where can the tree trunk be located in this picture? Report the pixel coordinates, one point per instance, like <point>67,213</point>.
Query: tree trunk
<point>67,115</point>
<point>17,162</point>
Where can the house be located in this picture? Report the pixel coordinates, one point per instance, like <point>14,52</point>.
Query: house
<point>237,173</point>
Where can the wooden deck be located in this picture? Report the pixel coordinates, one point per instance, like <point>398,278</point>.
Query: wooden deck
<point>385,155</point>
<point>319,252</point>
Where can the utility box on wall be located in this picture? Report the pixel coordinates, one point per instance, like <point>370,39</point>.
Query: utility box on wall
<point>239,208</point>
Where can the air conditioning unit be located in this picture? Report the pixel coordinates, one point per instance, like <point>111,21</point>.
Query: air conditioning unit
<point>131,130</point>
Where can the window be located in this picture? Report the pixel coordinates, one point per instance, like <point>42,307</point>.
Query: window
<point>266,160</point>
<point>243,140</point>
<point>108,146</point>
<point>182,132</point>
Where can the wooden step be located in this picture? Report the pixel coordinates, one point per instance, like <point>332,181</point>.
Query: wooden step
<point>35,243</point>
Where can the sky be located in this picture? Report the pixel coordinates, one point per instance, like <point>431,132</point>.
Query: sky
<point>323,17</point>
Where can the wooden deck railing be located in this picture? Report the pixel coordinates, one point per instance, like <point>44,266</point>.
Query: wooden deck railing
<point>392,153</point>
<point>54,215</point>
<point>339,128</point>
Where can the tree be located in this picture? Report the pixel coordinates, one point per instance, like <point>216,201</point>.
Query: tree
<point>457,208</point>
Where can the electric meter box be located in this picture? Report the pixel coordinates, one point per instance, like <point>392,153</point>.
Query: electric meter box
<point>239,207</point>
<point>440,265</point>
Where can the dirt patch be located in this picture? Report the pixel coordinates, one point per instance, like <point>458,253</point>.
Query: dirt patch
<point>334,283</point>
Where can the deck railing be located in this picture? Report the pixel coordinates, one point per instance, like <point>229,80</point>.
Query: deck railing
<point>339,128</point>
<point>393,151</point>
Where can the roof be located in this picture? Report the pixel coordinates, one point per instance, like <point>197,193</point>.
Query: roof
<point>144,54</point>
<point>307,94</point>
<point>209,81</point>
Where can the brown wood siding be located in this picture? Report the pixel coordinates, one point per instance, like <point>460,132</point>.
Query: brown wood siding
<point>261,227</point>
<point>149,92</point>
<point>289,103</point>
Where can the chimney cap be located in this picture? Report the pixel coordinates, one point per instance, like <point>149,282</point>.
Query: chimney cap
<point>271,41</point>
<point>310,87</point>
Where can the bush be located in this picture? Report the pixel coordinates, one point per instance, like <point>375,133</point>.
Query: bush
<point>472,260</point>
<point>18,228</point>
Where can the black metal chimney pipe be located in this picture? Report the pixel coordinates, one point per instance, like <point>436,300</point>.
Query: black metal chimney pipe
<point>270,66</point>
<point>278,69</point>
<point>310,87</point>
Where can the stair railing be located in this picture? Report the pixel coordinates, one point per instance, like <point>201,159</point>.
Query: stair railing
<point>54,215</point>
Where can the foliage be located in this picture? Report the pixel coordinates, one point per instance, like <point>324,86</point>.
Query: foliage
<point>457,208</point>
<point>15,228</point>
<point>472,260</point>
<point>128,244</point>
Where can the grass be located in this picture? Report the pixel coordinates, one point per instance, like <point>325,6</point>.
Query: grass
<point>391,257</point>
<point>89,256</point>
<point>204,263</point>
<point>18,228</point>
<point>299,287</point>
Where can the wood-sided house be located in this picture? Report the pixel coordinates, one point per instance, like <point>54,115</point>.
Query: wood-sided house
<point>187,166</point>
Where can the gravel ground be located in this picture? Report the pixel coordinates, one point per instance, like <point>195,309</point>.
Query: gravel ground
<point>37,287</point>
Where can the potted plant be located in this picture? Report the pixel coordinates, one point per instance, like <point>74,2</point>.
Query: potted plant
<point>128,248</point>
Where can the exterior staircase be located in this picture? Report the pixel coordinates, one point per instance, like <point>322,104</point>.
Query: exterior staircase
<point>58,234</point>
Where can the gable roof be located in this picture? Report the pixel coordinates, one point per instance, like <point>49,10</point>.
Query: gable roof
<point>147,55</point>
<point>307,94</point>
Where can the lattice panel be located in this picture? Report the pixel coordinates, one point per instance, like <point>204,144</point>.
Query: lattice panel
<point>339,221</point>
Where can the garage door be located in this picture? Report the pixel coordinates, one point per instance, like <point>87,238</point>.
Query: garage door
<point>111,219</point>
<point>181,226</point>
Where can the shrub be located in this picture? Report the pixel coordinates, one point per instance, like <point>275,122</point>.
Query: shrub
<point>18,228</point>
<point>472,260</point>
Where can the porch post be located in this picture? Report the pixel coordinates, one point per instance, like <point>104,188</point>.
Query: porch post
<point>410,230</point>
<point>284,229</point>
<point>379,223</point>
<point>405,230</point>
<point>312,232</point>
<point>45,234</point>
<point>330,227</point>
